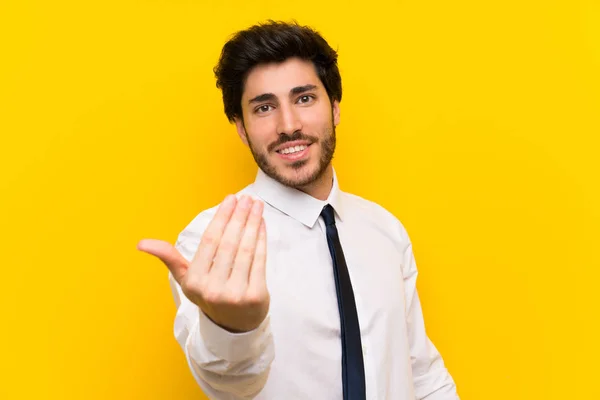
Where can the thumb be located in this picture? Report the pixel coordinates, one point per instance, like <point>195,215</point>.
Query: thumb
<point>168,254</point>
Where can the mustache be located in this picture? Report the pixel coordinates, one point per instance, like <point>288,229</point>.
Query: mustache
<point>298,135</point>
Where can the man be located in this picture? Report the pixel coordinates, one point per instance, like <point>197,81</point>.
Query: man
<point>325,305</point>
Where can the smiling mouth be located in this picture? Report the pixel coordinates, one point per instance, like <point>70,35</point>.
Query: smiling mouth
<point>293,149</point>
<point>294,153</point>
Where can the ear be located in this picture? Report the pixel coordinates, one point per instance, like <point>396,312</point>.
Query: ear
<point>336,113</point>
<point>241,130</point>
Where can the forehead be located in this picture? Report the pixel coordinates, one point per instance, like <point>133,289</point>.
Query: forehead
<point>280,78</point>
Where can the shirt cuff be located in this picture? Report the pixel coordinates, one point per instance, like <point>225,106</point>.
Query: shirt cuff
<point>232,347</point>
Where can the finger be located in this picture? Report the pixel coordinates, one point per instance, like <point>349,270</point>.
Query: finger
<point>245,254</point>
<point>202,261</point>
<point>168,254</point>
<point>230,240</point>
<point>258,271</point>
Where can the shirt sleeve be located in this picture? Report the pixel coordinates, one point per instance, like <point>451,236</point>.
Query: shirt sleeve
<point>432,380</point>
<point>225,365</point>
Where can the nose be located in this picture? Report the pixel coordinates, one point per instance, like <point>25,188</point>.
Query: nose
<point>289,121</point>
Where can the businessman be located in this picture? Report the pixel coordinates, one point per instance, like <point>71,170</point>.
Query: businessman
<point>293,288</point>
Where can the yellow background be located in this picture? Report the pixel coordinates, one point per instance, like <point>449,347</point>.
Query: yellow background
<point>476,123</point>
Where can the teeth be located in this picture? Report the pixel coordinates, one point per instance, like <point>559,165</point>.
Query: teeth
<point>291,150</point>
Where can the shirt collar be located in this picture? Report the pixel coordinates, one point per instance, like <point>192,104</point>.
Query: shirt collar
<point>295,203</point>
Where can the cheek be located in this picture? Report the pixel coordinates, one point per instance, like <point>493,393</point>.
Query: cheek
<point>261,132</point>
<point>316,119</point>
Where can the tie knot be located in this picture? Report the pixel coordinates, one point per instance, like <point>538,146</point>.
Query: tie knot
<point>327,215</point>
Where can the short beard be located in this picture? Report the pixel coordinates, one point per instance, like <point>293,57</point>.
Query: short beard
<point>327,150</point>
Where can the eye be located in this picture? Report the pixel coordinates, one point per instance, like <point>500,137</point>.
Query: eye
<point>305,99</point>
<point>263,109</point>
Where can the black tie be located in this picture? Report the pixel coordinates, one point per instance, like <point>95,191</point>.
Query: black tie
<point>353,370</point>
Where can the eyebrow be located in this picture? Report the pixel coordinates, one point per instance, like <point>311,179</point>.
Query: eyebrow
<point>302,89</point>
<point>270,96</point>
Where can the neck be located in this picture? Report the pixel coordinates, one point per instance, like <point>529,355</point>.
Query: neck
<point>321,187</point>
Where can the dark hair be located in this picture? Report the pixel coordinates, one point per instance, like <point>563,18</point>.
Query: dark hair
<point>273,42</point>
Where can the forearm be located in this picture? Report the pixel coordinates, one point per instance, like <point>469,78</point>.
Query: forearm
<point>432,381</point>
<point>436,383</point>
<point>223,362</point>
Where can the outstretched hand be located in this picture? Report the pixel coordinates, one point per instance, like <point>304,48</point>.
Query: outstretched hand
<point>227,276</point>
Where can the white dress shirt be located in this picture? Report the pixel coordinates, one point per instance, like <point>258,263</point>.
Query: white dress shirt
<point>296,352</point>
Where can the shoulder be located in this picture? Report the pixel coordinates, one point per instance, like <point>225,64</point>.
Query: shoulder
<point>376,221</point>
<point>370,212</point>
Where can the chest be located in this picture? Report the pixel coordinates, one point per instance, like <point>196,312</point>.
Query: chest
<point>301,281</point>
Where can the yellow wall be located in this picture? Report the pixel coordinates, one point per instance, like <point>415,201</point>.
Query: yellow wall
<point>476,123</point>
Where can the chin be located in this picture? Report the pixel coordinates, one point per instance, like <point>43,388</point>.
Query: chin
<point>295,175</point>
<point>302,177</point>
